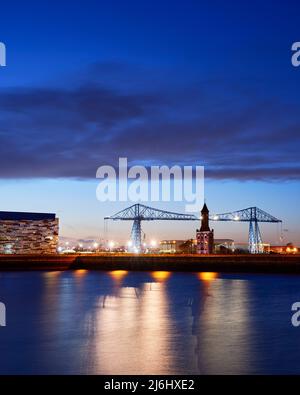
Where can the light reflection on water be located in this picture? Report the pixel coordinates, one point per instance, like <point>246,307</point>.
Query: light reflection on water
<point>123,322</point>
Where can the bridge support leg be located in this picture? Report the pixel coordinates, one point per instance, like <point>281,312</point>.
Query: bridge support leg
<point>136,235</point>
<point>255,240</point>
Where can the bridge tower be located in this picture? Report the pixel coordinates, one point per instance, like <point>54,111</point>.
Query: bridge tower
<point>136,232</point>
<point>255,240</point>
<point>139,212</point>
<point>253,215</point>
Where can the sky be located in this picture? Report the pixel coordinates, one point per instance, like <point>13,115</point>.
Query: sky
<point>161,83</point>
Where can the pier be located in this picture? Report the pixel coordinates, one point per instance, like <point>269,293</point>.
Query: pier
<point>262,263</point>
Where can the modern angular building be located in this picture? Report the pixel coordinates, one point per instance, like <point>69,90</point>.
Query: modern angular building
<point>28,233</point>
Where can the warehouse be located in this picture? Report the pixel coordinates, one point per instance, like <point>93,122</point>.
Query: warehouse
<point>28,233</point>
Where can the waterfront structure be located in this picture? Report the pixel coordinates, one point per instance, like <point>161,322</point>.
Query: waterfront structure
<point>28,233</point>
<point>223,245</point>
<point>170,246</point>
<point>287,249</point>
<point>252,215</point>
<point>243,248</point>
<point>205,236</point>
<point>177,246</point>
<point>138,213</point>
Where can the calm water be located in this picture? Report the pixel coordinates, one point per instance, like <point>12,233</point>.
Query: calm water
<point>148,323</point>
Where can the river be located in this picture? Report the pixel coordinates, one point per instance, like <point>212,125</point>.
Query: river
<point>93,322</point>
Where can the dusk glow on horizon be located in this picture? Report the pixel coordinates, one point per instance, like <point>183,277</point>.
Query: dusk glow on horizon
<point>206,84</point>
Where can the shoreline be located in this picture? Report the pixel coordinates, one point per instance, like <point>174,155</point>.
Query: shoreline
<point>177,263</point>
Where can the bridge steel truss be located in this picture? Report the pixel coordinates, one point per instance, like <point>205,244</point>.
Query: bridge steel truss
<point>253,215</point>
<point>139,212</point>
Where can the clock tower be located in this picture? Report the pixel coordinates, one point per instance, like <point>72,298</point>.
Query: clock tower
<point>205,236</point>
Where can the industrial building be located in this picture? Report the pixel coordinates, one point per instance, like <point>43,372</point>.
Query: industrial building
<point>172,246</point>
<point>287,249</point>
<point>223,245</point>
<point>28,233</point>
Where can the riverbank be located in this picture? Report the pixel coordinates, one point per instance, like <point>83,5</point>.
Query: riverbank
<point>215,263</point>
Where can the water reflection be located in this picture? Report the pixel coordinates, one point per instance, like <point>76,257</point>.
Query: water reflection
<point>222,327</point>
<point>147,323</point>
<point>207,276</point>
<point>80,272</point>
<point>132,333</point>
<point>118,274</point>
<point>160,275</point>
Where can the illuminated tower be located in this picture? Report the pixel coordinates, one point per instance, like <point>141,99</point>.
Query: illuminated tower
<point>205,236</point>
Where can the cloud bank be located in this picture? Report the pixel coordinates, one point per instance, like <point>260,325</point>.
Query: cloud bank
<point>70,130</point>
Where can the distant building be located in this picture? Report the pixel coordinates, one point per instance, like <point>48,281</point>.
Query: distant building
<point>28,233</point>
<point>223,245</point>
<point>244,248</point>
<point>171,246</point>
<point>205,236</point>
<point>287,249</point>
<point>190,246</point>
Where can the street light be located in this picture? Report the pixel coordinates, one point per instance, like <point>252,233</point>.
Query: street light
<point>111,245</point>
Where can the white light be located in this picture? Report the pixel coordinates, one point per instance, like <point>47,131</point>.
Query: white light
<point>216,217</point>
<point>153,243</point>
<point>129,243</point>
<point>111,244</point>
<point>95,245</point>
<point>236,218</point>
<point>80,245</point>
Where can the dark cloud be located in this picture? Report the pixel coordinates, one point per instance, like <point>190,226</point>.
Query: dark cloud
<point>69,132</point>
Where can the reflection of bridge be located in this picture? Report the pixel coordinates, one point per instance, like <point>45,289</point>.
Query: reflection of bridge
<point>139,212</point>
